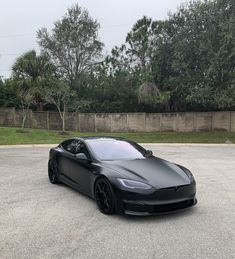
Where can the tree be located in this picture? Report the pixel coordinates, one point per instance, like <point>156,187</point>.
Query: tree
<point>73,47</point>
<point>150,95</point>
<point>141,44</point>
<point>202,41</point>
<point>25,95</point>
<point>8,97</point>
<point>73,44</point>
<point>190,57</point>
<point>63,97</point>
<point>31,70</point>
<point>110,87</point>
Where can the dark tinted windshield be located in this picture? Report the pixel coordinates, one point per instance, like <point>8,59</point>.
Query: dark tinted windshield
<point>112,149</point>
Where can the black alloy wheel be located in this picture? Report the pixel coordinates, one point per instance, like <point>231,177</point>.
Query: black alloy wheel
<point>52,175</point>
<point>104,196</point>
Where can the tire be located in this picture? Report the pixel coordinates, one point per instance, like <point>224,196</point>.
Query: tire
<point>104,196</point>
<point>52,173</point>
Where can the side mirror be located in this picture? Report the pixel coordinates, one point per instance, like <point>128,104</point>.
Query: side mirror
<point>81,156</point>
<point>148,153</point>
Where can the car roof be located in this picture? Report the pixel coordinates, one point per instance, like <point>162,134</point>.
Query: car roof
<point>100,138</point>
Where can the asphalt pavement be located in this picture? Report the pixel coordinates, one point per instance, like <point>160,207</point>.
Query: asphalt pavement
<point>41,220</point>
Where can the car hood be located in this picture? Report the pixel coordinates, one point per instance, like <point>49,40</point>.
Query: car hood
<point>157,172</point>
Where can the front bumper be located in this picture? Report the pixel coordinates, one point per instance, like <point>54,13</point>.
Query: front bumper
<point>142,209</point>
<point>157,201</point>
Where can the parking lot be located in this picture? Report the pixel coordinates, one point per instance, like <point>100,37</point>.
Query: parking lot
<point>41,220</point>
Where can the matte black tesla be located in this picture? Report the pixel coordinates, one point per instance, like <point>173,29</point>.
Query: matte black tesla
<point>121,176</point>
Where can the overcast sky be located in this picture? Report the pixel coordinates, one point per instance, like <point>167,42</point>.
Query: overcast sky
<point>20,19</point>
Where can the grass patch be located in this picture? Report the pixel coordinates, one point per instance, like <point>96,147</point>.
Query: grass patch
<point>12,136</point>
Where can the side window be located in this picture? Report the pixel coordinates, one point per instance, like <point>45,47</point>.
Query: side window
<point>66,143</point>
<point>81,148</point>
<point>71,146</point>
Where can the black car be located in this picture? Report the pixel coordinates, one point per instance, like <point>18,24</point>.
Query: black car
<point>121,176</point>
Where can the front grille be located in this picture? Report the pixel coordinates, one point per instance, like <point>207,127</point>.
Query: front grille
<point>177,192</point>
<point>172,206</point>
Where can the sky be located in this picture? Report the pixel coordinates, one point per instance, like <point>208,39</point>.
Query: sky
<point>19,21</point>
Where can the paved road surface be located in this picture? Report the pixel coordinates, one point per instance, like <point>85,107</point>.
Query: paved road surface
<point>40,220</point>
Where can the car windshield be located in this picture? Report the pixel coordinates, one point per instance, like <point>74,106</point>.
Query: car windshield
<point>113,149</point>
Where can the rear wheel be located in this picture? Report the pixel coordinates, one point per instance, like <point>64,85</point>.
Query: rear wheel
<point>104,196</point>
<point>52,173</point>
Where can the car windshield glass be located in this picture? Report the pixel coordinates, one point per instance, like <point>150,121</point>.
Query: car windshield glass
<point>113,149</point>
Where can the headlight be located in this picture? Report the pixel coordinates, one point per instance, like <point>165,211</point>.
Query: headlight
<point>133,184</point>
<point>189,174</point>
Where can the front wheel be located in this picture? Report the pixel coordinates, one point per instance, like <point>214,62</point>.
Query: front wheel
<point>104,196</point>
<point>52,174</point>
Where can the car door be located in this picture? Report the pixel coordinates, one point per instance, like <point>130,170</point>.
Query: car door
<point>64,159</point>
<point>81,170</point>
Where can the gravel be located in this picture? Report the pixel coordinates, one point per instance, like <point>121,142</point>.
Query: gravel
<point>41,220</point>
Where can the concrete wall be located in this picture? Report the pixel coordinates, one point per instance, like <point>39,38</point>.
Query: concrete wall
<point>86,122</point>
<point>232,121</point>
<point>124,122</point>
<point>7,117</point>
<point>119,122</point>
<point>136,122</point>
<point>40,120</point>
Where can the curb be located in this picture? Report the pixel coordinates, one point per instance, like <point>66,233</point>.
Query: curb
<point>144,144</point>
<point>190,144</point>
<point>28,146</point>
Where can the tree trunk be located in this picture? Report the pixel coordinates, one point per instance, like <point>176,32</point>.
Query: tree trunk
<point>23,121</point>
<point>39,107</point>
<point>63,122</point>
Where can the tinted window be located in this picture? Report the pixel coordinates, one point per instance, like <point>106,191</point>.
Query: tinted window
<point>66,143</point>
<point>75,146</point>
<point>70,146</point>
<point>112,149</point>
<point>81,148</point>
